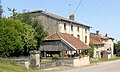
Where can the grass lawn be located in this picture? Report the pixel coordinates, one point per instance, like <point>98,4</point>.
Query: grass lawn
<point>6,66</point>
<point>103,60</point>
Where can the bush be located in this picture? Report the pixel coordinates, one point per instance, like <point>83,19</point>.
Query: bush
<point>55,56</point>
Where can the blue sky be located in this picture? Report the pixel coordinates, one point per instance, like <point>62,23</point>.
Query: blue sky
<point>102,15</point>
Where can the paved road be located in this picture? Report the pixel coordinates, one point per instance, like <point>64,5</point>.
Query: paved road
<point>111,66</point>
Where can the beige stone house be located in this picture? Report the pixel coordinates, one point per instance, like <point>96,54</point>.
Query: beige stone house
<point>98,47</point>
<point>67,37</point>
<point>54,23</point>
<point>108,42</point>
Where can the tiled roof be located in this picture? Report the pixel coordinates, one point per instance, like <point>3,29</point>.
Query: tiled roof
<point>57,17</point>
<point>95,42</point>
<point>76,43</point>
<point>100,36</point>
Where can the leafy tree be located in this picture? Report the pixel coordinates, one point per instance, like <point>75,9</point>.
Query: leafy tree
<point>1,10</point>
<point>40,33</point>
<point>13,12</point>
<point>10,37</point>
<point>29,39</point>
<point>117,48</point>
<point>14,36</point>
<point>92,49</point>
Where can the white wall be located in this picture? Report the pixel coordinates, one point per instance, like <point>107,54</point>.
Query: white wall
<point>81,31</point>
<point>98,49</point>
<point>109,44</point>
<point>84,61</point>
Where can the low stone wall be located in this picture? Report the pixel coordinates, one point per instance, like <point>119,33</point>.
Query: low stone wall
<point>67,61</point>
<point>49,63</point>
<point>23,61</point>
<point>77,62</point>
<point>84,61</point>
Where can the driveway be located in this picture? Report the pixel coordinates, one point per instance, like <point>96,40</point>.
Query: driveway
<point>111,66</point>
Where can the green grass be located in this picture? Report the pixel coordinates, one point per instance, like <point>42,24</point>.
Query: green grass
<point>6,66</point>
<point>103,60</point>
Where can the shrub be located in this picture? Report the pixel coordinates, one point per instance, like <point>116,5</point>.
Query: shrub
<point>55,56</point>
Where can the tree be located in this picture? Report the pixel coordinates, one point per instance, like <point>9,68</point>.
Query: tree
<point>13,12</point>
<point>92,49</point>
<point>1,10</point>
<point>29,39</point>
<point>14,35</point>
<point>10,37</point>
<point>40,33</point>
<point>117,48</point>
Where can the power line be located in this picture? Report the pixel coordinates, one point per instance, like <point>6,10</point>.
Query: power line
<point>77,6</point>
<point>97,9</point>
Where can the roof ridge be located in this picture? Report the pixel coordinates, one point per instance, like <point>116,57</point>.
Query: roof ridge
<point>60,17</point>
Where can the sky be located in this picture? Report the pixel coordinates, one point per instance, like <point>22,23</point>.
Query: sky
<point>102,15</point>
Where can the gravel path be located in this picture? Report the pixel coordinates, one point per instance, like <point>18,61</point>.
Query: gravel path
<point>111,66</point>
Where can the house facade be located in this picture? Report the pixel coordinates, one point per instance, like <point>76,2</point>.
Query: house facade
<point>98,48</point>
<point>108,43</point>
<point>54,23</point>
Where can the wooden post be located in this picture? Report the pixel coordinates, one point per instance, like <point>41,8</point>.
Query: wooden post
<point>44,54</point>
<point>61,54</point>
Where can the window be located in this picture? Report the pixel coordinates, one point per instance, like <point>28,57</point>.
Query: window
<point>78,36</point>
<point>71,27</point>
<point>64,26</point>
<point>85,39</point>
<point>72,34</point>
<point>85,30</point>
<point>78,28</point>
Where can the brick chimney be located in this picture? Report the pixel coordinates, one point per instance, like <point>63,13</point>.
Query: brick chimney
<point>97,32</point>
<point>71,17</point>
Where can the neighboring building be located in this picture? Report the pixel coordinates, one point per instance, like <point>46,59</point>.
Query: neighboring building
<point>108,42</point>
<point>98,48</point>
<point>62,44</point>
<point>53,23</point>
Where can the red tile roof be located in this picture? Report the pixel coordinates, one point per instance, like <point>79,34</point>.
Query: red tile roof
<point>76,43</point>
<point>95,42</point>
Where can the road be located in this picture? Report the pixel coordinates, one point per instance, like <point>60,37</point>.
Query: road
<point>111,66</point>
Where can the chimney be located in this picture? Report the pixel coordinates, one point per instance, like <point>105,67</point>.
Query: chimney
<point>97,32</point>
<point>71,17</point>
<point>106,35</point>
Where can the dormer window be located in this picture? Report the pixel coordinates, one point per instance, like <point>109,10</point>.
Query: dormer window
<point>78,28</point>
<point>78,36</point>
<point>85,30</point>
<point>85,39</point>
<point>71,27</point>
<point>64,26</point>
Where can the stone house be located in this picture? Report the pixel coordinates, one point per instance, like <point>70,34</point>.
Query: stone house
<point>108,42</point>
<point>98,47</point>
<point>54,23</point>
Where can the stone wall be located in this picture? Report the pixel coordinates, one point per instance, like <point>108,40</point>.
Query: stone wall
<point>50,24</point>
